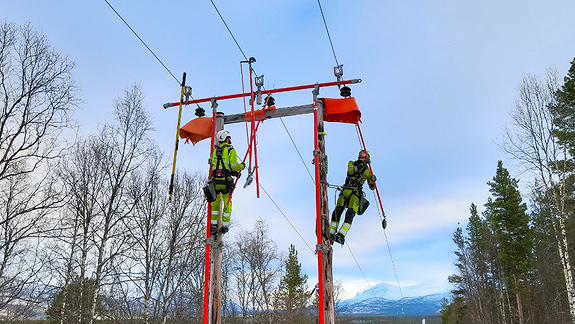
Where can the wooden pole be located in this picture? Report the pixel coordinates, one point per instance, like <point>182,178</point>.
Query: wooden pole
<point>207,285</point>
<point>216,255</point>
<point>325,246</point>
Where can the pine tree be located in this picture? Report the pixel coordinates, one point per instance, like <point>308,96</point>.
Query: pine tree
<point>509,222</point>
<point>564,110</point>
<point>292,297</point>
<point>77,305</point>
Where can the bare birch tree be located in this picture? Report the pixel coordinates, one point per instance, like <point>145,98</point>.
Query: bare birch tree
<point>127,146</point>
<point>37,93</point>
<point>151,204</point>
<point>258,267</point>
<point>532,143</point>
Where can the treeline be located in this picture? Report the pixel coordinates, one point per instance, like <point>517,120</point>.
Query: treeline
<point>515,264</point>
<point>86,228</point>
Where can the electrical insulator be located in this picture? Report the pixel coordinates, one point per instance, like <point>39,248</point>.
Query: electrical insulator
<point>270,101</point>
<point>200,112</point>
<point>345,91</point>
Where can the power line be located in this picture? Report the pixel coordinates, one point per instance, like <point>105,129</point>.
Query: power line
<point>141,40</point>
<point>328,35</point>
<point>229,30</point>
<point>361,270</point>
<point>297,150</point>
<point>284,215</point>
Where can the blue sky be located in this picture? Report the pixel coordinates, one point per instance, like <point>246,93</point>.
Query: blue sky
<point>439,81</point>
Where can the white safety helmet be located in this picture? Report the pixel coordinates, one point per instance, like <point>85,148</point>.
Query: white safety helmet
<point>222,135</point>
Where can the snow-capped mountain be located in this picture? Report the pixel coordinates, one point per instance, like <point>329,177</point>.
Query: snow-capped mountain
<point>386,299</point>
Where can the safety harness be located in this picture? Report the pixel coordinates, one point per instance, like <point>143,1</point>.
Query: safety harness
<point>353,181</point>
<point>221,175</point>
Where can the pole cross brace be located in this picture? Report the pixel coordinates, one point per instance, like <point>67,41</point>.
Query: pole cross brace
<point>323,248</point>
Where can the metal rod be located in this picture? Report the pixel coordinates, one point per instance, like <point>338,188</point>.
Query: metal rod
<point>247,94</point>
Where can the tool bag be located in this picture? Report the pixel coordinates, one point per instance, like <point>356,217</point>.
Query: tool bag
<point>210,191</point>
<point>363,204</point>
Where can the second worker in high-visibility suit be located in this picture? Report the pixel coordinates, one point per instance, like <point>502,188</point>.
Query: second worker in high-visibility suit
<point>225,167</point>
<point>357,173</point>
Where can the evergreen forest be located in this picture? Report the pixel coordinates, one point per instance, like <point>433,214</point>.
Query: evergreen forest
<point>515,260</point>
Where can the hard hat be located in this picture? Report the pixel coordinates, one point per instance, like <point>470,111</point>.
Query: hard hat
<point>222,135</point>
<point>363,154</point>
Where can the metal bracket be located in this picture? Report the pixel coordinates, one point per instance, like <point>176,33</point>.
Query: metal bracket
<point>214,104</point>
<point>315,91</point>
<point>187,92</point>
<point>338,72</point>
<point>259,81</point>
<point>215,244</point>
<point>323,248</point>
<point>316,153</point>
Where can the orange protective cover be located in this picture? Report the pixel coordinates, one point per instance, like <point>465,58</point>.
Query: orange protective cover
<point>197,129</point>
<point>341,110</point>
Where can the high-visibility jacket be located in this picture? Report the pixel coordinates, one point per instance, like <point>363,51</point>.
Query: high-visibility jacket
<point>224,165</point>
<point>357,173</point>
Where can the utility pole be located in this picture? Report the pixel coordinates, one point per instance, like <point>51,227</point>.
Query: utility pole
<point>324,250</point>
<point>216,253</point>
<point>212,298</point>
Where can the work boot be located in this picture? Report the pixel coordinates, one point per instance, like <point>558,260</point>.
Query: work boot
<point>224,230</point>
<point>213,229</point>
<point>331,237</point>
<point>339,238</point>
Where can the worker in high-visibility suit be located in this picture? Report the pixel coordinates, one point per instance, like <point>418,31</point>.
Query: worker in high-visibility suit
<point>225,167</point>
<point>357,173</point>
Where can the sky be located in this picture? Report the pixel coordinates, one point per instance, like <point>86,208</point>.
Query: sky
<point>439,79</point>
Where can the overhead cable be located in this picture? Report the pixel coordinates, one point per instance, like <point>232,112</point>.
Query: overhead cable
<point>361,270</point>
<point>284,215</point>
<point>229,30</point>
<point>297,150</point>
<point>328,35</point>
<point>141,40</point>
